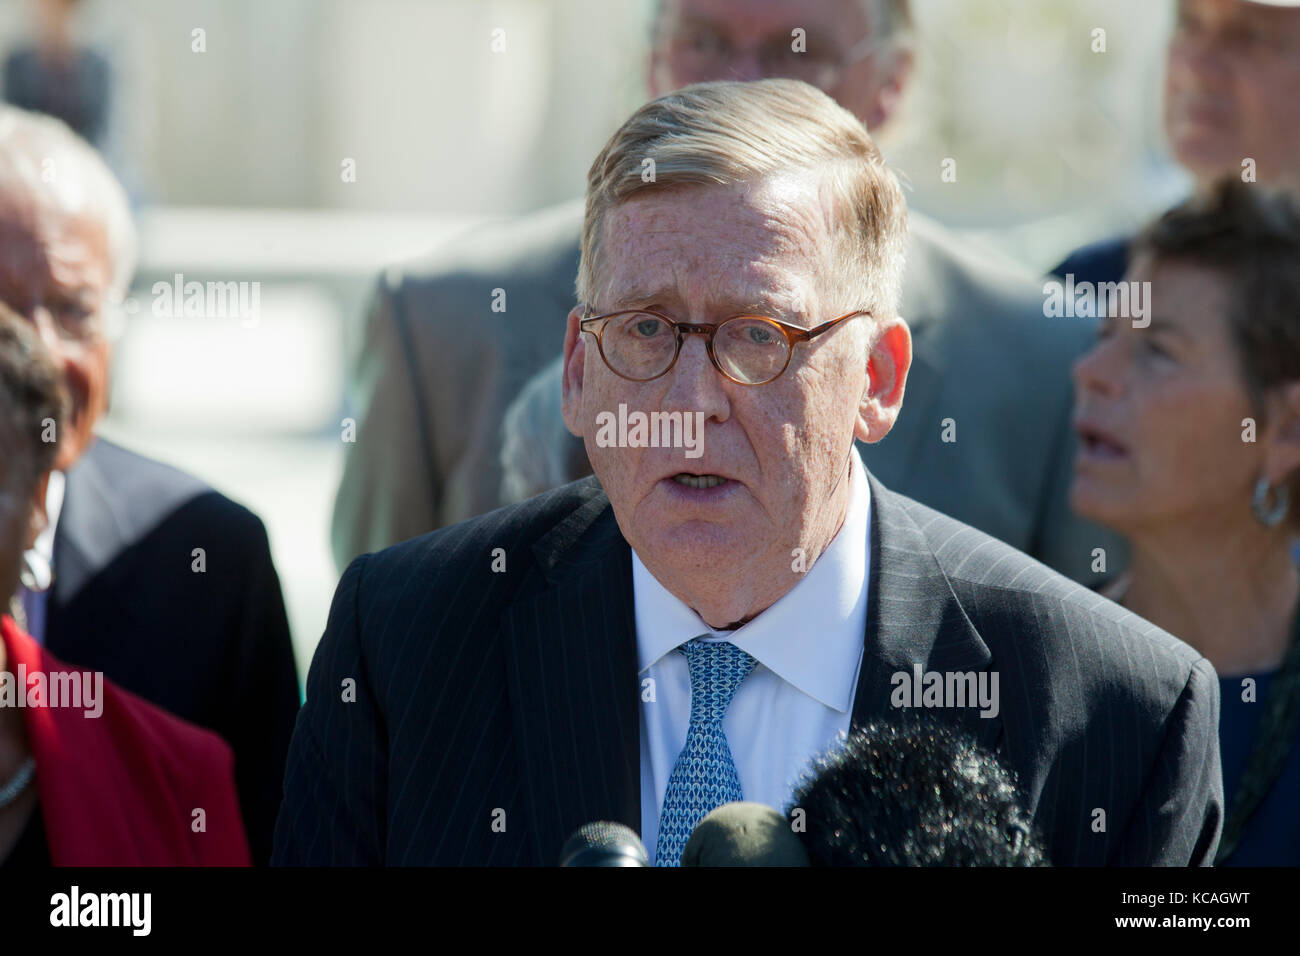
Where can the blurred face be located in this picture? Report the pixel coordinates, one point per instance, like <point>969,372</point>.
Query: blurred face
<point>1159,411</point>
<point>770,478</point>
<point>702,40</point>
<point>55,272</point>
<point>1231,90</point>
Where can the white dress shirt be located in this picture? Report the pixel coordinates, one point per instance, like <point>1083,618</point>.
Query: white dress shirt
<point>41,557</point>
<point>798,701</point>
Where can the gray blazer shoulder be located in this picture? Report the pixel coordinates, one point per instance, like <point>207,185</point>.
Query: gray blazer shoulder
<point>448,341</point>
<point>989,398</point>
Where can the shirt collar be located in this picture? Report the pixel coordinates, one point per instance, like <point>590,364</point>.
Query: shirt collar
<point>41,554</point>
<point>811,638</point>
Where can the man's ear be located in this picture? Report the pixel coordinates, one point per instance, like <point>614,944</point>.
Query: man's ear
<point>575,357</point>
<point>891,93</point>
<point>887,367</point>
<point>1282,456</point>
<point>38,517</point>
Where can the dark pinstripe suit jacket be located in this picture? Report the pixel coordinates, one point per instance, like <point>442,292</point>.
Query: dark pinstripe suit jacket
<point>460,715</point>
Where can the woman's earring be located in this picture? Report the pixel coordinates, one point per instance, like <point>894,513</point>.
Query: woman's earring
<point>1269,517</point>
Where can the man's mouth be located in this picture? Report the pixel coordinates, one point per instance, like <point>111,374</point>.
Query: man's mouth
<point>699,481</point>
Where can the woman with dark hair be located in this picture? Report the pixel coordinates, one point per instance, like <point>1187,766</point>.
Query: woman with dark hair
<point>1189,445</point>
<point>90,775</point>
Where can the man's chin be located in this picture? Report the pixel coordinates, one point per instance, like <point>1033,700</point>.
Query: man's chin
<point>699,544</point>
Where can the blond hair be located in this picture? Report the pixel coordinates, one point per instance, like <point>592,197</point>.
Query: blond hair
<point>721,134</point>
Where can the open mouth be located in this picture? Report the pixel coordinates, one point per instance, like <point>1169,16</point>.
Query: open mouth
<point>1098,445</point>
<point>699,481</point>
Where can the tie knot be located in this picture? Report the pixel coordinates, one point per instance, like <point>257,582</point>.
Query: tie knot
<point>717,668</point>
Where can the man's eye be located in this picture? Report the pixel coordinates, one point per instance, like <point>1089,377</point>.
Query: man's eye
<point>73,310</point>
<point>761,336</point>
<point>71,314</point>
<point>647,328</point>
<point>704,42</point>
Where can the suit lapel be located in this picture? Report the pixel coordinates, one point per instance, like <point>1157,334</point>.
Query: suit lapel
<point>913,619</point>
<point>89,533</point>
<point>570,645</point>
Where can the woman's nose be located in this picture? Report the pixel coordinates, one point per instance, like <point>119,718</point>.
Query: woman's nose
<point>1096,369</point>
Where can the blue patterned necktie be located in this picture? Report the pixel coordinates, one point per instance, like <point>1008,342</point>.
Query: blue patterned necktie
<point>704,776</point>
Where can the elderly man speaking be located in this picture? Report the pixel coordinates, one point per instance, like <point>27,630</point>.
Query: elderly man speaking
<point>678,632</point>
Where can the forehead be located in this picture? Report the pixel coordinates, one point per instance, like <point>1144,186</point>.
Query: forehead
<point>751,18</point>
<point>750,244</point>
<point>1190,296</point>
<point>38,240</point>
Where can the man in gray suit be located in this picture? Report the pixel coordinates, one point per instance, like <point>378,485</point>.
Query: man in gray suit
<point>439,367</point>
<point>734,590</point>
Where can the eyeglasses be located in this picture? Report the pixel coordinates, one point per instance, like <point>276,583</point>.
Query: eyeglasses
<point>703,53</point>
<point>640,345</point>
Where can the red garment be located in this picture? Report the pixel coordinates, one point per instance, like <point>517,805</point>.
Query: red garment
<point>120,789</point>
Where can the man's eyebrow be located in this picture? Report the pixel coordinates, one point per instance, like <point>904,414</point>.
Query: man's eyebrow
<point>637,296</point>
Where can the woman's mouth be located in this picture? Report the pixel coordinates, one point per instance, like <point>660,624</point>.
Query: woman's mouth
<point>1097,446</point>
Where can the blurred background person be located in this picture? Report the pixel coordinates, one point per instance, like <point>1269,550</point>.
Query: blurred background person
<point>110,781</point>
<point>58,76</point>
<point>537,451</point>
<point>149,575</point>
<point>1231,107</point>
<point>1190,447</point>
<point>438,367</point>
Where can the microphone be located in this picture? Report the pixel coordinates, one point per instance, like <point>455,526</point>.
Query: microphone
<point>604,844</point>
<point>913,794</point>
<point>744,834</point>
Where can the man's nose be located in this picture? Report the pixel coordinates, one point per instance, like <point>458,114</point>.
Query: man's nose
<point>1201,62</point>
<point>695,383</point>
